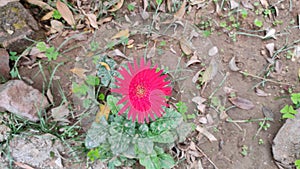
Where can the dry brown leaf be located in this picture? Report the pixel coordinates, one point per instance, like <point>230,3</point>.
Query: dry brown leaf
<point>210,72</point>
<point>151,52</point>
<point>270,34</point>
<point>79,72</point>
<point>60,113</point>
<point>232,65</point>
<point>199,101</point>
<point>207,134</point>
<point>260,92</point>
<point>104,110</point>
<point>268,113</point>
<point>50,96</point>
<point>196,76</point>
<point>185,46</point>
<point>192,61</point>
<point>242,103</point>
<point>104,20</point>
<point>56,26</point>
<point>93,20</point>
<point>271,48</point>
<point>278,66</point>
<point>264,3</point>
<point>65,12</point>
<point>22,165</point>
<point>122,33</point>
<point>117,6</point>
<point>40,4</point>
<point>218,9</point>
<point>117,52</point>
<point>180,13</point>
<point>47,16</point>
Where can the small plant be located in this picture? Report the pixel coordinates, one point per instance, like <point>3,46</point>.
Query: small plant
<point>131,7</point>
<point>244,151</point>
<point>258,23</point>
<point>56,15</point>
<point>261,141</point>
<point>288,111</point>
<point>265,126</point>
<point>244,13</point>
<point>297,164</point>
<point>50,52</point>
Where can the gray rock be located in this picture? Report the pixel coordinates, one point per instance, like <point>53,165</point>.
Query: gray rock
<point>4,132</point>
<point>36,151</point>
<point>16,23</point>
<point>286,144</point>
<point>4,64</point>
<point>19,98</point>
<point>213,51</point>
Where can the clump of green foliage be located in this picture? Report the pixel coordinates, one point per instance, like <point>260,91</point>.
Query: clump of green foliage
<point>289,111</point>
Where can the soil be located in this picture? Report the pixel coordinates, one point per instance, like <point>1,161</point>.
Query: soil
<point>251,57</point>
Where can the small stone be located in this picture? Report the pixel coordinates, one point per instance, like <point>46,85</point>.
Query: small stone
<point>19,98</point>
<point>4,132</point>
<point>213,51</point>
<point>4,64</point>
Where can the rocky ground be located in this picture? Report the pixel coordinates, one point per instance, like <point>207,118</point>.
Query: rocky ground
<point>235,65</point>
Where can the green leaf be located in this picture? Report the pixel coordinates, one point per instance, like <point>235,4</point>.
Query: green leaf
<point>112,104</point>
<point>41,46</point>
<point>13,56</point>
<point>181,107</point>
<point>166,161</point>
<point>56,14</point>
<point>258,23</point>
<point>92,80</point>
<point>295,97</point>
<point>119,140</point>
<point>165,137</point>
<point>288,116</point>
<point>169,121</point>
<point>93,154</point>
<point>147,162</point>
<point>285,109</point>
<point>145,145</point>
<point>97,134</point>
<point>80,89</point>
<point>297,164</point>
<point>130,7</point>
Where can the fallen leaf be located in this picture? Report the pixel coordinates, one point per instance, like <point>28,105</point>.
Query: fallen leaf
<point>151,52</point>
<point>196,2</point>
<point>41,4</point>
<point>196,76</point>
<point>218,9</point>
<point>278,66</point>
<point>232,65</point>
<point>104,20</point>
<point>233,4</point>
<point>207,134</point>
<point>199,101</point>
<point>117,52</point>
<point>242,103</point>
<point>105,65</point>
<point>117,6</point>
<point>210,72</point>
<point>270,47</point>
<point>65,12</point>
<point>264,3</point>
<point>122,33</point>
<point>93,20</point>
<point>180,13</point>
<point>229,90</point>
<point>60,113</point>
<point>193,60</point>
<point>268,113</point>
<point>79,72</point>
<point>260,92</point>
<point>270,34</point>
<point>104,110</point>
<point>50,96</point>
<point>56,26</point>
<point>185,46</point>
<point>22,165</point>
<point>247,4</point>
<point>47,16</point>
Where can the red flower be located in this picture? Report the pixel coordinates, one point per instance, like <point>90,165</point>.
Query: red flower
<point>143,90</point>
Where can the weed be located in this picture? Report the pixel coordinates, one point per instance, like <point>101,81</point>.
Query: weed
<point>260,141</point>
<point>297,164</point>
<point>50,52</point>
<point>288,111</point>
<point>131,7</point>
<point>13,56</point>
<point>244,151</point>
<point>258,23</point>
<point>56,15</point>
<point>264,125</point>
<point>244,13</point>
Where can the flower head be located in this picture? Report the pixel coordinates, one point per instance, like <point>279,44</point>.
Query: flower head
<point>143,90</point>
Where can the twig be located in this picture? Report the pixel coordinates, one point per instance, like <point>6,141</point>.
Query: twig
<point>264,79</point>
<point>248,120</point>
<point>207,157</point>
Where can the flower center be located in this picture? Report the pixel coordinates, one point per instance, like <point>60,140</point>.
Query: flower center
<point>140,91</point>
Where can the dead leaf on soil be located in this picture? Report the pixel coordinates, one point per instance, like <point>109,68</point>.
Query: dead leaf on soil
<point>229,90</point>
<point>117,52</point>
<point>122,33</point>
<point>41,4</point>
<point>56,26</point>
<point>65,12</point>
<point>268,113</point>
<point>104,110</point>
<point>210,72</point>
<point>185,46</point>
<point>278,66</point>
<point>93,20</point>
<point>79,72</point>
<point>196,76</point>
<point>47,16</point>
<point>180,13</point>
<point>60,113</point>
<point>264,3</point>
<point>218,9</point>
<point>199,101</point>
<point>117,6</point>
<point>196,2</point>
<point>50,96</point>
<point>242,103</point>
<point>207,134</point>
<point>22,165</point>
<point>270,34</point>
<point>104,20</point>
<point>233,4</point>
<point>232,65</point>
<point>270,47</point>
<point>193,60</point>
<point>151,52</point>
<point>260,92</point>
<point>247,4</point>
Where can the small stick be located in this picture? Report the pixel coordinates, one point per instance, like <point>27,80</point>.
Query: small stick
<point>261,78</point>
<point>207,157</point>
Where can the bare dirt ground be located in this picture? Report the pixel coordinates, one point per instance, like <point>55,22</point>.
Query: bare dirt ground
<point>241,143</point>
